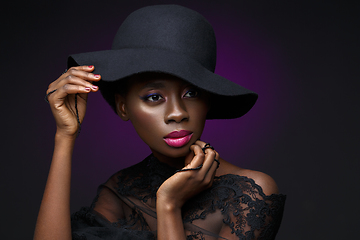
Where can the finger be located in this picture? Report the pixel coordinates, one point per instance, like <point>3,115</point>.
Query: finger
<point>206,156</point>
<point>198,158</point>
<point>200,143</point>
<point>86,68</point>
<point>209,151</point>
<point>204,146</point>
<point>86,75</point>
<point>217,157</point>
<point>209,158</point>
<point>189,157</point>
<point>216,163</point>
<point>67,89</point>
<point>73,80</point>
<point>210,175</point>
<point>82,72</point>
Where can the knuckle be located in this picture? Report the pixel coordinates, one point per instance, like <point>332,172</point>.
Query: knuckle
<point>197,146</point>
<point>66,87</point>
<point>207,182</point>
<point>70,78</point>
<point>212,153</point>
<point>72,71</point>
<point>89,75</point>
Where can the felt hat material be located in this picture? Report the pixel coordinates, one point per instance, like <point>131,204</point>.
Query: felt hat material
<point>175,40</point>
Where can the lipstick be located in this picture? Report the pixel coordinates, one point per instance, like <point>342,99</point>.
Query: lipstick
<point>178,139</point>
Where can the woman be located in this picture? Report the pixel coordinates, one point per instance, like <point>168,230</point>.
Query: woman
<point>160,76</point>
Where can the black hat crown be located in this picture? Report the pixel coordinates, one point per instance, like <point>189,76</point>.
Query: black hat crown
<point>169,27</point>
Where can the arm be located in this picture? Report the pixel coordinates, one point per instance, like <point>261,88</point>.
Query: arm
<point>175,191</point>
<point>54,215</point>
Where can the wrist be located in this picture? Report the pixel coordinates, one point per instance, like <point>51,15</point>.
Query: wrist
<point>169,220</point>
<point>62,135</point>
<point>168,205</point>
<point>63,148</point>
<point>64,142</point>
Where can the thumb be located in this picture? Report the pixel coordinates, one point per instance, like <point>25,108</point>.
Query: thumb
<point>189,157</point>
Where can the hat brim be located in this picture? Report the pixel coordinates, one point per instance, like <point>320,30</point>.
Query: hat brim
<point>230,99</point>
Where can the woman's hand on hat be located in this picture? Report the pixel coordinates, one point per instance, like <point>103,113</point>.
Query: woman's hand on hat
<point>197,175</point>
<point>61,97</point>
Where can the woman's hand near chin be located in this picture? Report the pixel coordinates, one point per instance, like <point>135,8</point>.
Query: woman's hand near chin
<point>182,186</point>
<point>77,80</point>
<point>185,184</point>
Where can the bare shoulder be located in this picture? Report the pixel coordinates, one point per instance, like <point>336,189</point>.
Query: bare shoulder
<point>266,182</point>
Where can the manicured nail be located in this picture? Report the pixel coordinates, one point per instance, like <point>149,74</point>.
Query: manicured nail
<point>94,87</point>
<point>91,66</point>
<point>96,75</point>
<point>87,89</point>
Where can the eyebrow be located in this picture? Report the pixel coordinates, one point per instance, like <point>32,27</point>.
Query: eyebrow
<point>153,85</point>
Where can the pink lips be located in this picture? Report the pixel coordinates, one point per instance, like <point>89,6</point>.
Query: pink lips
<point>178,138</point>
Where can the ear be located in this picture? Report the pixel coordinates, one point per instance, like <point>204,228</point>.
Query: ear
<point>121,107</point>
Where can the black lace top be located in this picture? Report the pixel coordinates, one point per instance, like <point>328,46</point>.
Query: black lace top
<point>124,208</point>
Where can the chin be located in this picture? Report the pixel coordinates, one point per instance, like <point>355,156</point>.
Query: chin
<point>178,152</point>
<point>173,152</point>
<point>180,155</point>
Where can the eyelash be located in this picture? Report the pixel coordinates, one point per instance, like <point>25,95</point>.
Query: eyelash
<point>192,90</point>
<point>147,98</point>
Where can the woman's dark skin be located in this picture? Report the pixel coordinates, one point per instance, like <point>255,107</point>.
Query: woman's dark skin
<point>158,104</point>
<point>172,105</point>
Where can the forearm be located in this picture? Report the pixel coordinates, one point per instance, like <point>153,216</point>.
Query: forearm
<point>169,221</point>
<point>54,215</point>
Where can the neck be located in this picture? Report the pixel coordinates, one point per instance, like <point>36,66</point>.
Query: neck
<point>177,162</point>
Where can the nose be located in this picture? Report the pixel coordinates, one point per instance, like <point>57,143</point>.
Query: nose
<point>176,111</point>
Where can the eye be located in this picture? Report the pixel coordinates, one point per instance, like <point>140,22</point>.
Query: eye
<point>152,97</point>
<point>191,93</point>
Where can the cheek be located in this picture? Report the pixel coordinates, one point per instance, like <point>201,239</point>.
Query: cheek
<point>198,113</point>
<point>200,110</point>
<point>146,121</point>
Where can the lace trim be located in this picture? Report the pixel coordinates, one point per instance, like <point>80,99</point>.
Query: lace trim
<point>241,203</point>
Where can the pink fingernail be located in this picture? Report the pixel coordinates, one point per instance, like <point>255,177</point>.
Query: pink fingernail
<point>96,75</point>
<point>91,66</point>
<point>94,87</point>
<point>87,89</point>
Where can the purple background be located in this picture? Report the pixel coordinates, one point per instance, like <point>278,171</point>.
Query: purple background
<point>301,58</point>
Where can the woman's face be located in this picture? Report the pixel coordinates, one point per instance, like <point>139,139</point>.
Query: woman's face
<point>168,113</point>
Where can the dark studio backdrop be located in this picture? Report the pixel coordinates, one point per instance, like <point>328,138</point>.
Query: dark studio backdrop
<point>301,57</point>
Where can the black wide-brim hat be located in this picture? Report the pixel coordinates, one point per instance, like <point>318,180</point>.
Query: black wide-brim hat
<point>169,39</point>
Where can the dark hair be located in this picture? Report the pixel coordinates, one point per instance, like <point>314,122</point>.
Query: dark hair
<point>110,89</point>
